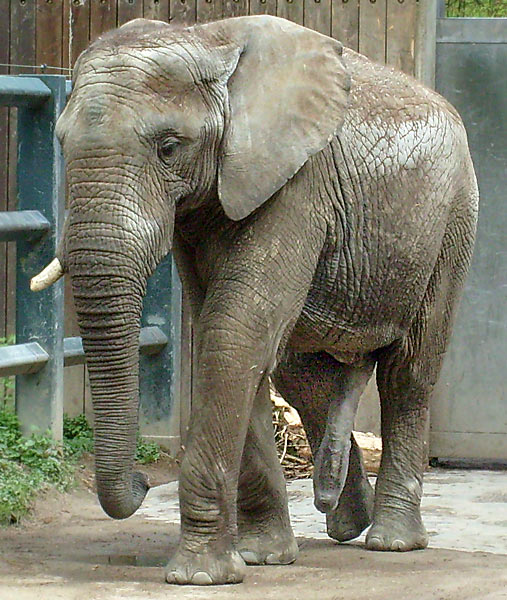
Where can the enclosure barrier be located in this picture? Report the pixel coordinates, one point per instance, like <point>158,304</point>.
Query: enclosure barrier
<point>41,352</point>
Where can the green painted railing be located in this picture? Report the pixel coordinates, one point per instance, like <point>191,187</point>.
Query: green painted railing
<point>41,351</point>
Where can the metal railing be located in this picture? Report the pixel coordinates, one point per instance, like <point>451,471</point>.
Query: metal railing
<point>41,352</point>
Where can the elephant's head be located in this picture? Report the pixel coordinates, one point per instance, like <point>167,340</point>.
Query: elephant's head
<point>163,119</point>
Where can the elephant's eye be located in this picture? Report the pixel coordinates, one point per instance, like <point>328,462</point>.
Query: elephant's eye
<point>166,147</point>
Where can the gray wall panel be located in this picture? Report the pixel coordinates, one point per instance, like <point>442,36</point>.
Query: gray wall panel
<point>471,397</point>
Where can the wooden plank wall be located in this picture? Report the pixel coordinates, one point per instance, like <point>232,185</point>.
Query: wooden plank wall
<point>54,32</point>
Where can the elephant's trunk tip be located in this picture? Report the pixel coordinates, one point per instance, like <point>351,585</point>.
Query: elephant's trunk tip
<point>49,275</point>
<point>124,507</point>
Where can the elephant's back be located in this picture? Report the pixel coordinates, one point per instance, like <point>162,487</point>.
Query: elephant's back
<point>400,160</point>
<point>382,90</point>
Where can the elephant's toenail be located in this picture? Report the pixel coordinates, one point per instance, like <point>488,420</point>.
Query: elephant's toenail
<point>272,559</point>
<point>201,578</point>
<point>173,577</point>
<point>374,543</point>
<point>249,557</point>
<point>398,546</point>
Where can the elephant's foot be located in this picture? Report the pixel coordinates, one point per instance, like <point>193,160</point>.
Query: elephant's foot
<point>397,532</point>
<point>275,546</point>
<point>353,514</point>
<point>206,568</point>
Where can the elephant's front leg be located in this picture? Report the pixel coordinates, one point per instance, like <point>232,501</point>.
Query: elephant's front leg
<point>232,360</point>
<point>254,296</point>
<point>207,553</point>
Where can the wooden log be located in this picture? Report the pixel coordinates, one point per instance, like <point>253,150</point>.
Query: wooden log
<point>371,446</point>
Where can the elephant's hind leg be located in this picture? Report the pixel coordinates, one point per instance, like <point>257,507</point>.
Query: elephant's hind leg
<point>265,533</point>
<point>312,383</point>
<point>406,374</point>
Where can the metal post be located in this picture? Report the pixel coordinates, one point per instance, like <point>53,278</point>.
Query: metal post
<point>441,9</point>
<point>425,42</point>
<point>160,373</point>
<point>39,396</point>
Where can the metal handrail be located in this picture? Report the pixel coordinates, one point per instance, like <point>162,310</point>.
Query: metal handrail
<point>16,90</point>
<point>23,359</point>
<point>41,353</point>
<point>22,225</point>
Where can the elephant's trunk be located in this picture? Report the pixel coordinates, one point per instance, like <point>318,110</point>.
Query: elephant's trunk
<point>108,295</point>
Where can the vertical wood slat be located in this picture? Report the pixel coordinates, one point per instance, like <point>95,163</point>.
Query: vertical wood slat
<point>102,17</point>
<point>372,29</point>
<point>345,22</point>
<point>156,9</point>
<point>4,169</point>
<point>66,34</point>
<point>262,7</point>
<point>183,11</point>
<point>128,10</point>
<point>22,51</point>
<point>291,9</point>
<point>425,41</point>
<point>22,27</point>
<point>49,38</point>
<point>208,10</point>
<point>400,38</point>
<point>235,8</point>
<point>317,15</point>
<point>76,37</point>
<point>79,28</point>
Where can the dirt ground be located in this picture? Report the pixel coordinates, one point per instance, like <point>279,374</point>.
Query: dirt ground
<point>71,551</point>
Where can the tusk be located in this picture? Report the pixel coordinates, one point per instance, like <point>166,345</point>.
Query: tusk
<point>47,276</point>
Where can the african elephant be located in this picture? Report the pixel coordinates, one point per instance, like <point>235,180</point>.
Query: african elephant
<point>321,210</point>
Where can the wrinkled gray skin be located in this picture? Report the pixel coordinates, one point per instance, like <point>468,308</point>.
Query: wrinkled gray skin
<point>321,209</point>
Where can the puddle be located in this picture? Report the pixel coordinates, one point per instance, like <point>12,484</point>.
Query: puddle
<point>129,560</point>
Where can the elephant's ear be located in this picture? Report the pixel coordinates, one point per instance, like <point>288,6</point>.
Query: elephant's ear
<point>287,95</point>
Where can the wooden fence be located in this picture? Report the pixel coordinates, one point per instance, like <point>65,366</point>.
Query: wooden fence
<point>54,32</point>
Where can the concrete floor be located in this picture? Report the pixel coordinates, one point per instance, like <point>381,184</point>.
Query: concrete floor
<point>73,551</point>
<point>462,509</point>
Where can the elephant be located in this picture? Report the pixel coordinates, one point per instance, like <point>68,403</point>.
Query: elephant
<point>321,210</point>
